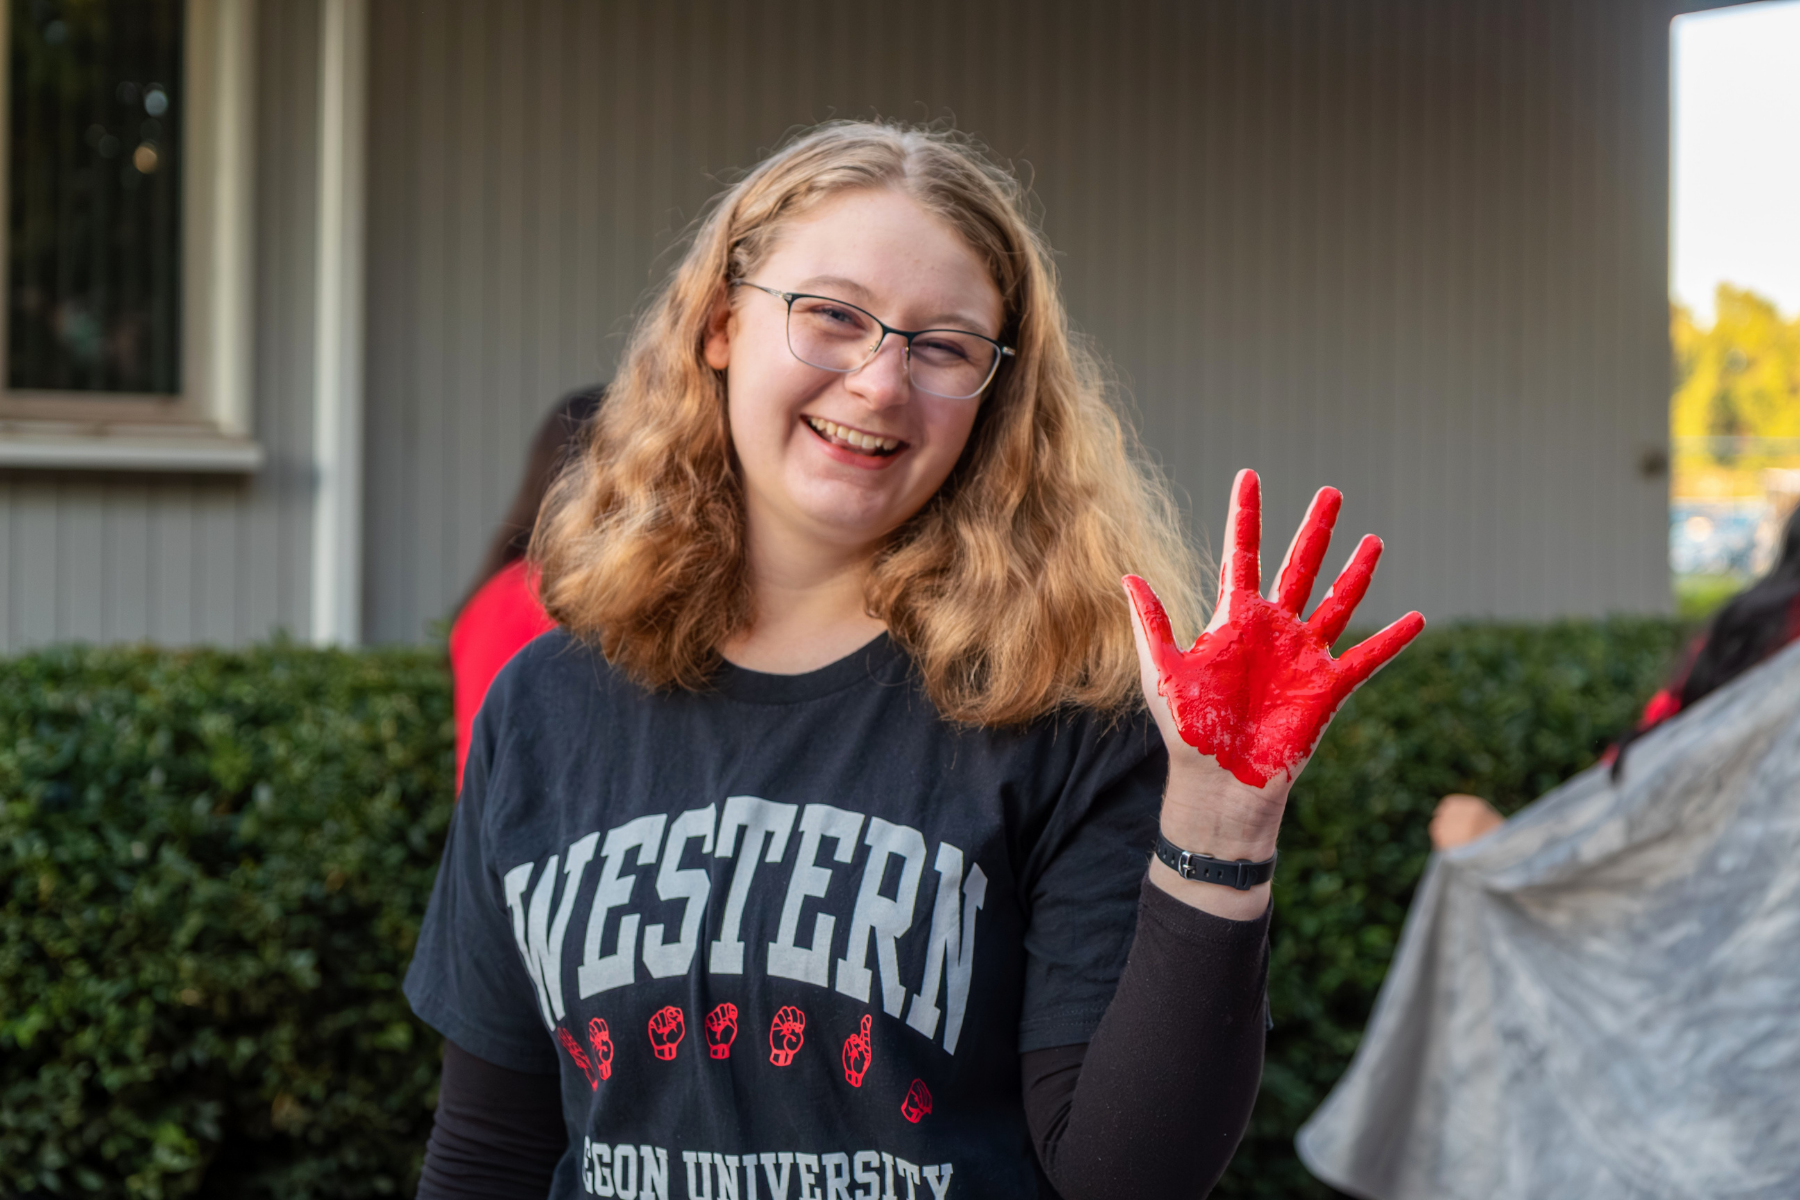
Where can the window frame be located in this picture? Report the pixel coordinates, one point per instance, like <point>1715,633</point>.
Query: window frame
<point>207,427</point>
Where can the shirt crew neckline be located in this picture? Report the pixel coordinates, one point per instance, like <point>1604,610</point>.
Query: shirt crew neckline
<point>759,687</point>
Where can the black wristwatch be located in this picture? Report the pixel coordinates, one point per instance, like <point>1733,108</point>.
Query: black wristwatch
<point>1241,873</point>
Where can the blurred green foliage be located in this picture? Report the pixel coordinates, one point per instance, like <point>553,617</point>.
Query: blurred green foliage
<point>1698,597</point>
<point>1501,711</point>
<point>213,866</point>
<point>212,870</point>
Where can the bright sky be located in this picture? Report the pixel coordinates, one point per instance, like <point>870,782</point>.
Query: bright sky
<point>1736,165</point>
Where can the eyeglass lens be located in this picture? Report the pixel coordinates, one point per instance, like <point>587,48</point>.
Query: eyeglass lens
<point>840,337</point>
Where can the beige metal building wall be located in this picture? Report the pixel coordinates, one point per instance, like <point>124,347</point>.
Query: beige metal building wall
<point>104,556</point>
<point>1415,248</point>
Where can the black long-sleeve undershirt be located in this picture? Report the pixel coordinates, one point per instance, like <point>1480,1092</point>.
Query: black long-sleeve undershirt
<point>1154,1105</point>
<point>498,1133</point>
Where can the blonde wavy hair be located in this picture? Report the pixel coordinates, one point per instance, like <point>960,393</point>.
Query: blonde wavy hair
<point>1004,588</point>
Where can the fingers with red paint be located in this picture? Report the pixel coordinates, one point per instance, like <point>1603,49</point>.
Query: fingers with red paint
<point>1243,541</point>
<point>1306,553</point>
<point>1347,591</point>
<point>1258,688</point>
<point>1370,655</point>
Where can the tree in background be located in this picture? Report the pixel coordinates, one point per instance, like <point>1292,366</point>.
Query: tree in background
<point>1740,378</point>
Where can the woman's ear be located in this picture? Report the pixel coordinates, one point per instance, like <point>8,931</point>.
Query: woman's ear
<point>717,347</point>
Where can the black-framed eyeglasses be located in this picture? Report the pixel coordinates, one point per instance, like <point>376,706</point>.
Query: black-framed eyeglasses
<point>835,335</point>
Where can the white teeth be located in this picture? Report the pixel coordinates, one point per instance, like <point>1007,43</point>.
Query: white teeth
<point>851,437</point>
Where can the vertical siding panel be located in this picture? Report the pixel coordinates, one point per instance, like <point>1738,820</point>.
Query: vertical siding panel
<point>219,584</point>
<point>447,157</point>
<point>40,560</point>
<point>8,570</point>
<point>263,548</point>
<point>174,574</point>
<point>398,229</point>
<point>80,557</point>
<point>127,532</point>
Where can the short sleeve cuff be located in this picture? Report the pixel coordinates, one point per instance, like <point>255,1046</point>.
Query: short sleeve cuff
<point>528,1056</point>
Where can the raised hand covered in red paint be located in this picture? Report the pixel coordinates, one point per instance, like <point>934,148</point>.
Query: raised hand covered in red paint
<point>917,1102</point>
<point>666,1027</point>
<point>859,1051</point>
<point>1258,688</point>
<point>721,1030</point>
<point>600,1038</point>
<point>581,1059</point>
<point>787,1033</point>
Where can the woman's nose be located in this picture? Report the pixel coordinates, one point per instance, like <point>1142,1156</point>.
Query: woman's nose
<point>883,380</point>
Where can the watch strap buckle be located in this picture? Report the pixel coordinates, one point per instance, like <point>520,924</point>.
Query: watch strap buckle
<point>1239,874</point>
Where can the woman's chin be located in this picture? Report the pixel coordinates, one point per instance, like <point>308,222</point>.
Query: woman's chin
<point>841,521</point>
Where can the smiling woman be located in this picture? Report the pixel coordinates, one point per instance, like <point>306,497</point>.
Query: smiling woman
<point>851,724</point>
<point>990,544</point>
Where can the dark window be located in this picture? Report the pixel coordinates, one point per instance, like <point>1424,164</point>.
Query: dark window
<point>93,183</point>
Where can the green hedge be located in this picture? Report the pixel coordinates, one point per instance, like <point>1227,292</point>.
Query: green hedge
<point>213,866</point>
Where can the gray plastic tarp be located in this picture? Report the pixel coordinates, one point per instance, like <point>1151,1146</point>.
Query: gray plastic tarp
<point>1601,1000</point>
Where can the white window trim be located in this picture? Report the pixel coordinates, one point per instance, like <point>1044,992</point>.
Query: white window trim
<point>206,428</point>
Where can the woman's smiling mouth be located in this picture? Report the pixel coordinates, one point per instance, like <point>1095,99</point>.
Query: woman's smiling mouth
<point>854,440</point>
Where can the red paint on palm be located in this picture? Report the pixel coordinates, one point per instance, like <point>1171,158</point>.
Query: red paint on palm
<point>666,1027</point>
<point>859,1052</point>
<point>1258,688</point>
<point>721,1029</point>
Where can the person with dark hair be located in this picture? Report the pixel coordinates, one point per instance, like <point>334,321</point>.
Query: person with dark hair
<point>502,613</point>
<point>1750,628</point>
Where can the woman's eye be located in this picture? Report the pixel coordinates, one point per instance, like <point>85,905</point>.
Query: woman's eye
<point>941,350</point>
<point>836,315</point>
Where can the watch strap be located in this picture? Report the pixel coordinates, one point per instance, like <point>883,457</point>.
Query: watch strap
<point>1241,873</point>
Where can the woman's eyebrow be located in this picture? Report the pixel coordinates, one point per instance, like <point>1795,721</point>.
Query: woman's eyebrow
<point>836,281</point>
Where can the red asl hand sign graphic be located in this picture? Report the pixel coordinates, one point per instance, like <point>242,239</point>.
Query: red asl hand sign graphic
<point>917,1102</point>
<point>666,1027</point>
<point>1259,686</point>
<point>581,1059</point>
<point>721,1030</point>
<point>859,1051</point>
<point>601,1040</point>
<point>787,1033</point>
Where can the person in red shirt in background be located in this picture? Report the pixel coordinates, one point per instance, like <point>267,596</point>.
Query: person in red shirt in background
<point>502,614</point>
<point>1751,627</point>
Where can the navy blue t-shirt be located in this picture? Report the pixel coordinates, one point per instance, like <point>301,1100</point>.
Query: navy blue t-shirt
<point>786,938</point>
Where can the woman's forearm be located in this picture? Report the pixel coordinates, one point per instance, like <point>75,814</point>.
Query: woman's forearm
<point>1157,1103</point>
<point>498,1134</point>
